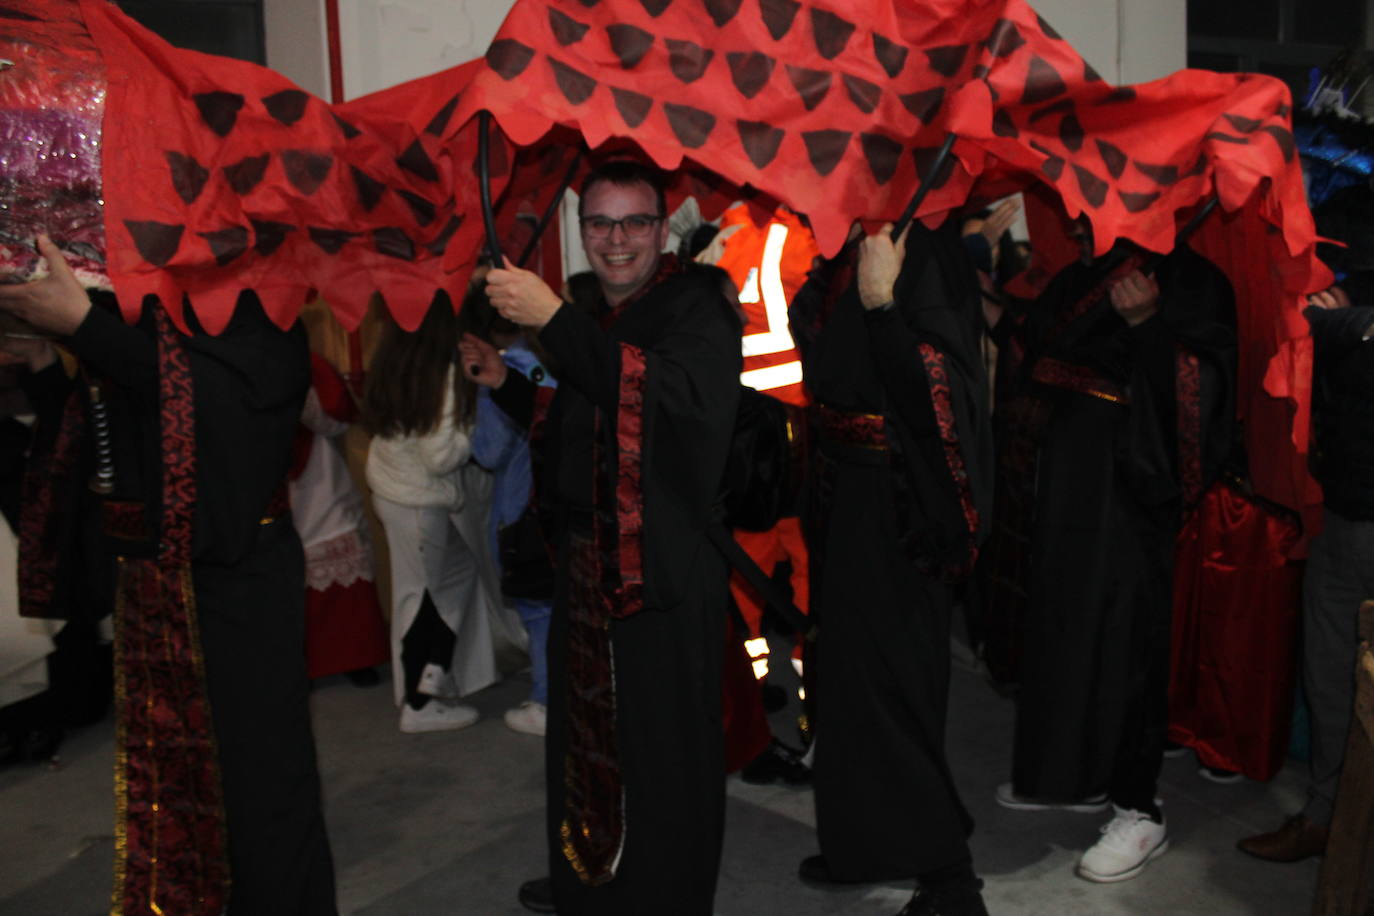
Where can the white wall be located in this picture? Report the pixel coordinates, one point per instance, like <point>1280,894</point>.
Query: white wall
<point>1127,41</point>
<point>1154,38</point>
<point>382,42</point>
<point>297,46</point>
<point>385,42</point>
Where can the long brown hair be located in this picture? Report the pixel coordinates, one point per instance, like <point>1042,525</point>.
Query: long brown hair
<point>404,393</point>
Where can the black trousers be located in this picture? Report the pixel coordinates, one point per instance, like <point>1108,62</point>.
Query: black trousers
<point>252,629</point>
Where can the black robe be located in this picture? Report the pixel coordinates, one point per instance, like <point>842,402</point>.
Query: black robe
<point>667,655</point>
<point>250,383</point>
<point>1126,426</point>
<point>891,529</point>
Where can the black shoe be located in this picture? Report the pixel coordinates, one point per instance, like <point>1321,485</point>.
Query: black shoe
<point>961,900</point>
<point>41,744</point>
<point>777,764</point>
<point>363,677</point>
<point>11,748</point>
<point>774,697</point>
<point>537,895</point>
<point>815,871</point>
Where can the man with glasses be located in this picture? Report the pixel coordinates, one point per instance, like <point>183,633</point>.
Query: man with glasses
<point>634,445</point>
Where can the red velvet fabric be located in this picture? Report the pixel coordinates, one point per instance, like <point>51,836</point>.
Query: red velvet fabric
<point>1235,636</point>
<point>332,390</point>
<point>344,629</point>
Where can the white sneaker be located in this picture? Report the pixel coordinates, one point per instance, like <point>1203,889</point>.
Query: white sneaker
<point>1130,840</point>
<point>436,682</point>
<point>1220,776</point>
<point>529,718</point>
<point>436,716</point>
<point>1007,798</point>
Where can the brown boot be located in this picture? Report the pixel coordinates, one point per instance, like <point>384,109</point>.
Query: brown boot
<point>1296,840</point>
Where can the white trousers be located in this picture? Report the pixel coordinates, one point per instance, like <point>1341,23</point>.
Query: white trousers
<point>430,553</point>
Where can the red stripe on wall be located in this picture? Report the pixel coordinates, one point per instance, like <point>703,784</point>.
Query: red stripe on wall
<point>331,24</point>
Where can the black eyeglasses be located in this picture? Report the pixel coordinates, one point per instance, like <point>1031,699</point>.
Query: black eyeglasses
<point>635,226</point>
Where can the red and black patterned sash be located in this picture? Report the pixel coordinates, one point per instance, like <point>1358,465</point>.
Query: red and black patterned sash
<point>627,524</point>
<point>593,827</point>
<point>125,521</point>
<point>170,846</point>
<point>937,378</point>
<point>1188,391</point>
<point>863,430</point>
<point>1059,374</point>
<point>40,518</point>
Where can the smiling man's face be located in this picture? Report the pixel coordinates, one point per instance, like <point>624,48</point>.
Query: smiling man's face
<point>623,263</point>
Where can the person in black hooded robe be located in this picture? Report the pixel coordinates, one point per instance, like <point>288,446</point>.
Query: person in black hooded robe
<point>902,455</point>
<point>1123,416</point>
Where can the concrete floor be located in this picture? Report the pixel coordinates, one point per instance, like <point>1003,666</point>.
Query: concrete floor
<point>450,823</point>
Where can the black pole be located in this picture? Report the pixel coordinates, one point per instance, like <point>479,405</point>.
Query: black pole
<point>1198,219</point>
<point>1120,254</point>
<point>941,157</point>
<point>1185,233</point>
<point>550,210</point>
<point>484,185</point>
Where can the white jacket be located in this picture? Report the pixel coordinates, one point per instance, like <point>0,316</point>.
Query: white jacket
<point>421,470</point>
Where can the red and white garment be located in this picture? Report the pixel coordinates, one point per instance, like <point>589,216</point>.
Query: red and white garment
<point>344,629</point>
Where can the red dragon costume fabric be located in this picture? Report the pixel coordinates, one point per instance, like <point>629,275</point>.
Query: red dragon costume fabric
<point>227,176</point>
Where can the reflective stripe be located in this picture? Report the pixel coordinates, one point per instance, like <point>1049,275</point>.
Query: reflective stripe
<point>779,376</point>
<point>777,339</point>
<point>749,293</point>
<point>756,647</point>
<point>760,668</point>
